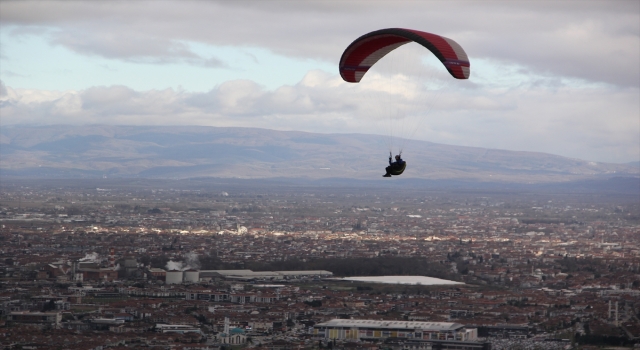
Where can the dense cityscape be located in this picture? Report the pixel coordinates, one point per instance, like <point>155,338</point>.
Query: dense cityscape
<point>174,265</point>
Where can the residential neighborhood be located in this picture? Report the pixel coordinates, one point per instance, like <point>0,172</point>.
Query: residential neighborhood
<point>114,268</point>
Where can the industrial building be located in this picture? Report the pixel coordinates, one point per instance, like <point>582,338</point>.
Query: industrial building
<point>249,275</point>
<point>177,328</point>
<point>341,329</point>
<point>174,277</point>
<point>194,276</point>
<point>43,318</point>
<point>91,271</point>
<point>397,343</point>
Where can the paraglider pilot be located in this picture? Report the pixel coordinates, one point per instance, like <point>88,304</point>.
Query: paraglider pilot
<point>396,167</point>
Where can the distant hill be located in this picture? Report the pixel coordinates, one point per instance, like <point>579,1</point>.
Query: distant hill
<point>247,153</point>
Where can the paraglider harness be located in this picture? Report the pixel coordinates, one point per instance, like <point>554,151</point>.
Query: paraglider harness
<point>396,168</point>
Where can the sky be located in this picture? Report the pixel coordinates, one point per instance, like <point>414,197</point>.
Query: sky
<point>560,77</point>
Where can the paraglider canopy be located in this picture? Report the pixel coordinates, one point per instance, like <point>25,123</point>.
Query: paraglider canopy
<point>368,49</point>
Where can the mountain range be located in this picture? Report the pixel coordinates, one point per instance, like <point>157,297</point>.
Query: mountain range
<point>179,152</point>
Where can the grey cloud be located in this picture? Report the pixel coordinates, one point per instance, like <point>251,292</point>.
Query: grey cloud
<point>3,89</point>
<point>130,43</point>
<point>596,40</point>
<point>134,46</point>
<point>8,73</point>
<point>105,99</point>
<point>211,62</point>
<point>28,30</point>
<point>123,102</point>
<point>117,44</point>
<point>108,68</point>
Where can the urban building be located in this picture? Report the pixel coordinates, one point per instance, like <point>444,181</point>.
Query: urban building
<point>341,329</point>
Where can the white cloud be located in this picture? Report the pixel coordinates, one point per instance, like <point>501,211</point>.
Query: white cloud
<point>568,121</point>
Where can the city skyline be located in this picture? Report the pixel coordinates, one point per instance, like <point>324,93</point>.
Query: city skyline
<point>145,263</point>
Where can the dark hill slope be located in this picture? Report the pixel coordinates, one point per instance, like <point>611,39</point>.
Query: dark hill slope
<point>187,152</point>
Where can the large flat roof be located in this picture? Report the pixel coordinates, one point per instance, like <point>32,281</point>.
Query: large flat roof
<point>239,273</point>
<point>250,273</point>
<point>429,326</point>
<point>302,272</point>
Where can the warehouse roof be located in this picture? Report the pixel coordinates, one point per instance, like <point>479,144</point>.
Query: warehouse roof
<point>409,325</point>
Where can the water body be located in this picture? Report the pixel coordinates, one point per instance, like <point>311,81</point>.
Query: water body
<point>413,280</point>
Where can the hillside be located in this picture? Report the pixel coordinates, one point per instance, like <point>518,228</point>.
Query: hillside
<point>246,153</point>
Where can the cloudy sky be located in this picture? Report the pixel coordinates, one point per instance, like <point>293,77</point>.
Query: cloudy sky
<point>560,77</point>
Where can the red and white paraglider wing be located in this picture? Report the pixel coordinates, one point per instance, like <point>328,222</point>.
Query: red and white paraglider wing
<point>368,49</point>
